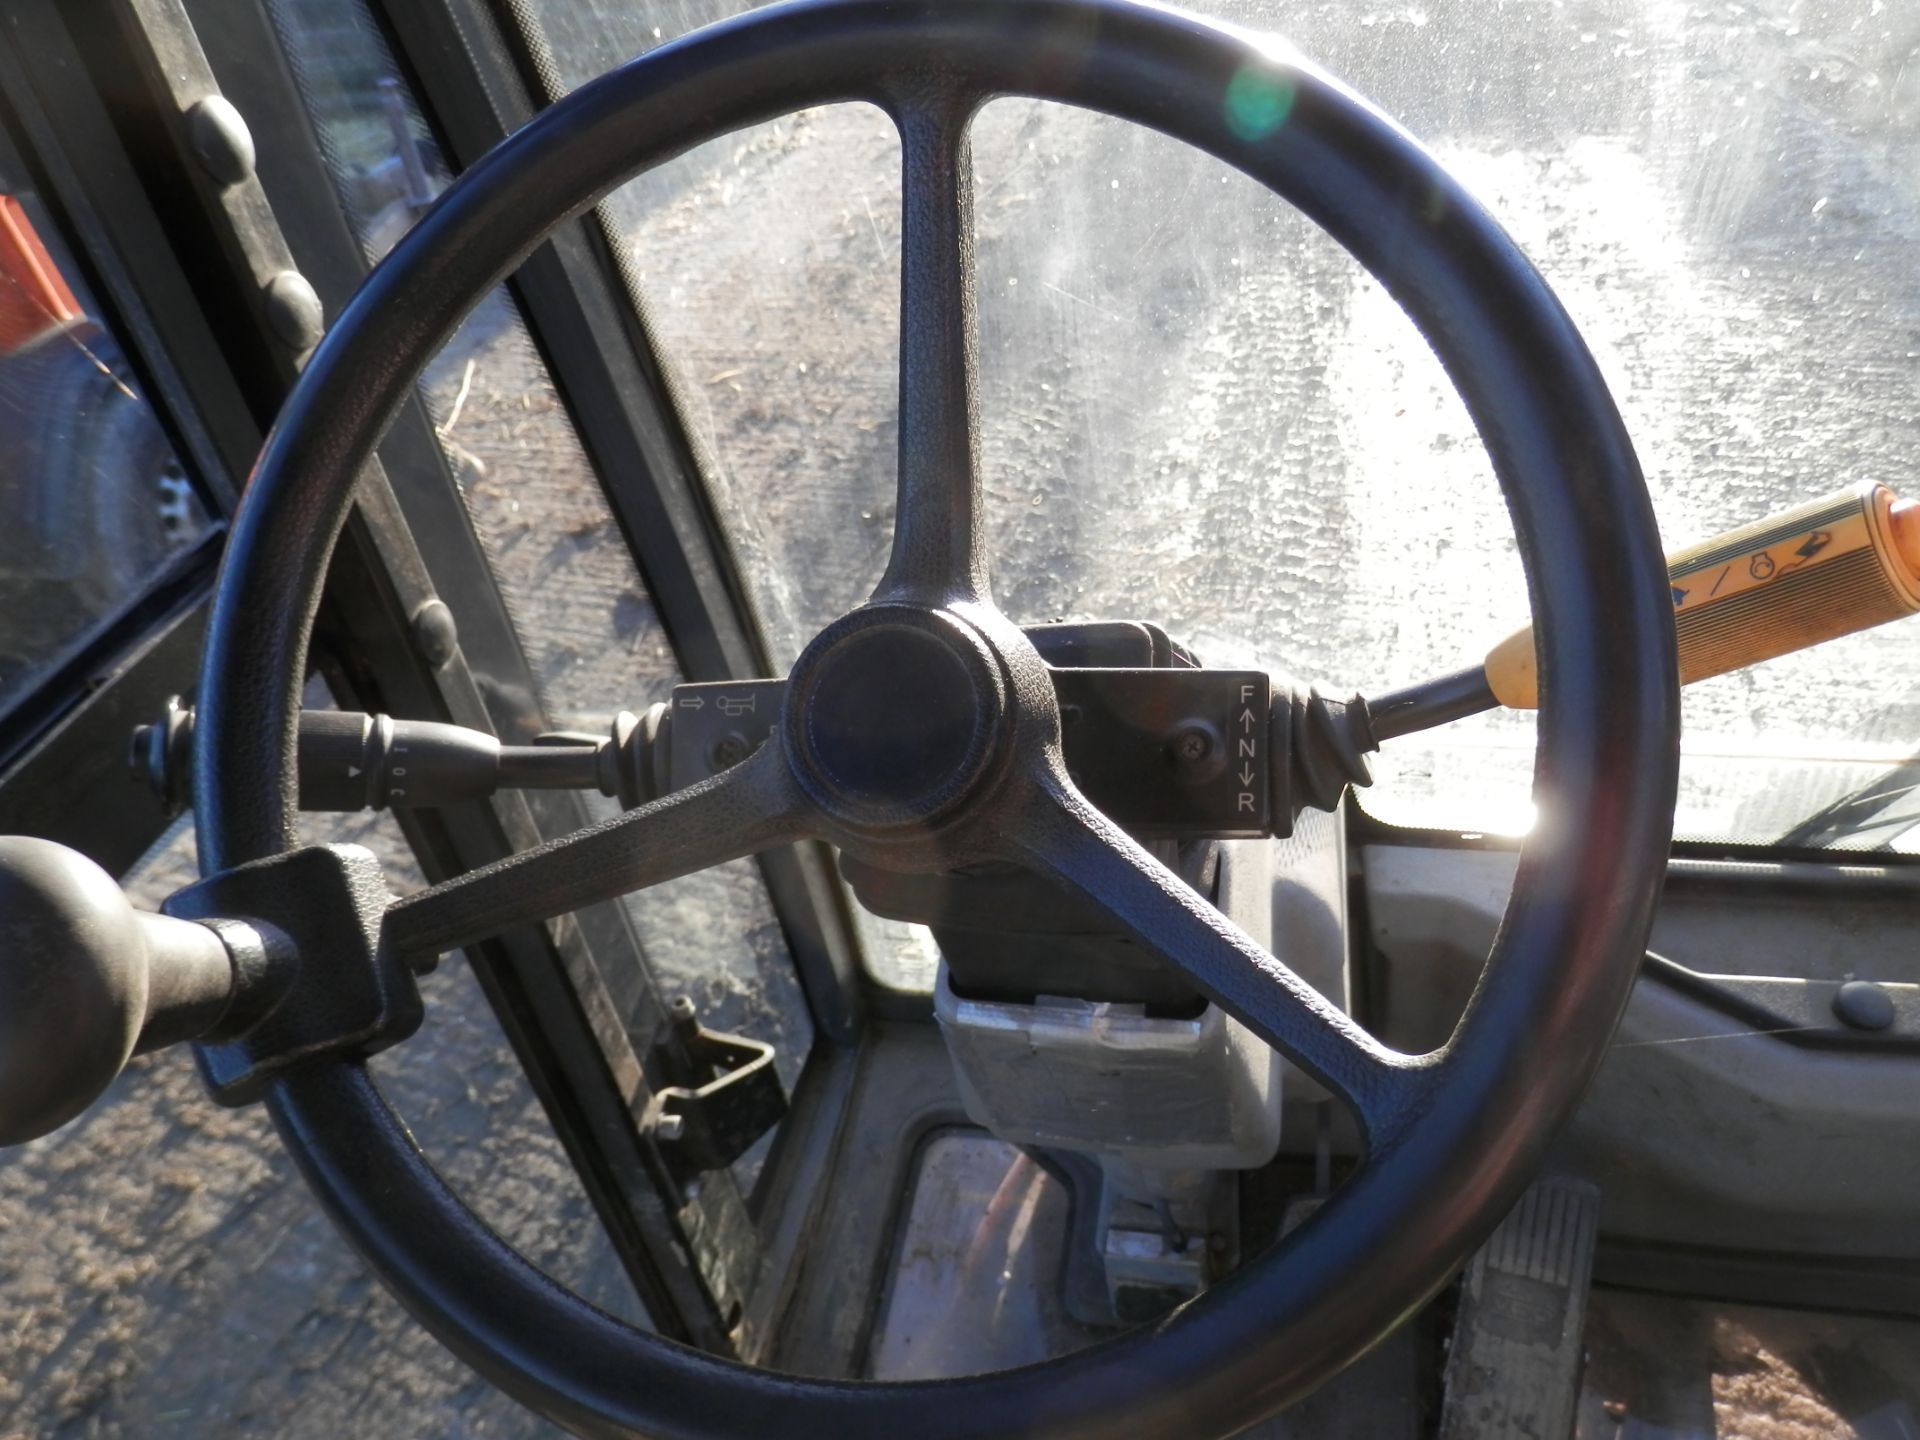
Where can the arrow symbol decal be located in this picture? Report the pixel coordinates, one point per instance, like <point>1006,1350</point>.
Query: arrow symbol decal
<point>1246,719</point>
<point>1814,544</point>
<point>1678,595</point>
<point>1246,775</point>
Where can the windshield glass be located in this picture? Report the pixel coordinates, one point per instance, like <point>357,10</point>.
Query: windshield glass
<point>1200,412</point>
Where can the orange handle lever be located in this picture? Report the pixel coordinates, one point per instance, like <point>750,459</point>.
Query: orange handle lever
<point>1826,568</point>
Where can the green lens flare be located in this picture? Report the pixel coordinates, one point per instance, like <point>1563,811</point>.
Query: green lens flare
<point>1258,102</point>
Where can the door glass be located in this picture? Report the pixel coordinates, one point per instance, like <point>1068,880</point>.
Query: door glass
<point>585,621</point>
<point>96,503</point>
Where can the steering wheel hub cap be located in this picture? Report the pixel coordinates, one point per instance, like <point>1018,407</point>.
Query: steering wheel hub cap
<point>894,715</point>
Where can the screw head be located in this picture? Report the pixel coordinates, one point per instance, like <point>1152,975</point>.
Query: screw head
<point>727,751</point>
<point>1192,745</point>
<point>1197,752</point>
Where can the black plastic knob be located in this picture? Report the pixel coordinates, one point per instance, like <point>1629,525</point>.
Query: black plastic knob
<point>82,976</point>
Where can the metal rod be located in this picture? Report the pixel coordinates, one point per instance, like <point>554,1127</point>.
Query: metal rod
<point>550,767</point>
<point>1432,702</point>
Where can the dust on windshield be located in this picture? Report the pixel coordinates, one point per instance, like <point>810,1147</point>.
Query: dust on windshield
<point>1199,411</point>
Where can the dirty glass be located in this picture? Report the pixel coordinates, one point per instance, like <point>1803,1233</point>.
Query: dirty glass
<point>96,502</point>
<point>1198,411</point>
<point>581,610</point>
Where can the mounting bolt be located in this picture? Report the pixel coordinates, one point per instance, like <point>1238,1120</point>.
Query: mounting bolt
<point>1863,1005</point>
<point>293,310</point>
<point>729,750</point>
<point>434,634</point>
<point>162,755</point>
<point>220,139</point>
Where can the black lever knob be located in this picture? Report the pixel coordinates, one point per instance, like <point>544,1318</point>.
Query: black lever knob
<point>85,981</point>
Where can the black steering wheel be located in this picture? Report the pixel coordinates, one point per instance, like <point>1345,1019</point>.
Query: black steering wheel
<point>1451,1137</point>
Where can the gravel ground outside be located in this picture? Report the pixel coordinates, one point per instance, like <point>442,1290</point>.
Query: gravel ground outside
<point>1198,412</point>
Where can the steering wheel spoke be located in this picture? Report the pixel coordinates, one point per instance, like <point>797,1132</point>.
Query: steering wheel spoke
<point>1067,839</point>
<point>752,807</point>
<point>939,548</point>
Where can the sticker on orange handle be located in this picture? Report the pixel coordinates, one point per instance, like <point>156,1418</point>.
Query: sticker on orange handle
<point>1719,578</point>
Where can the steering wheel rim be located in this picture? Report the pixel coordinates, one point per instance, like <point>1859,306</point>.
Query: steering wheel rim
<point>1448,1165</point>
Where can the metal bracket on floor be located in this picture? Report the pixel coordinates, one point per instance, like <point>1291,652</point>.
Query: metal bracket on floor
<point>723,1095</point>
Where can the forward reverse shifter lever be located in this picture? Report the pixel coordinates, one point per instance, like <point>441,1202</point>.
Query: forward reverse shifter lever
<point>1168,748</point>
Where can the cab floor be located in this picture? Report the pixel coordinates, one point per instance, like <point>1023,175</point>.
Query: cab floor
<point>985,1231</point>
<point>1668,1369</point>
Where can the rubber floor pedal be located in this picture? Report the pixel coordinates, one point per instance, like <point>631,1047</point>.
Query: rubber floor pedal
<point>1513,1371</point>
